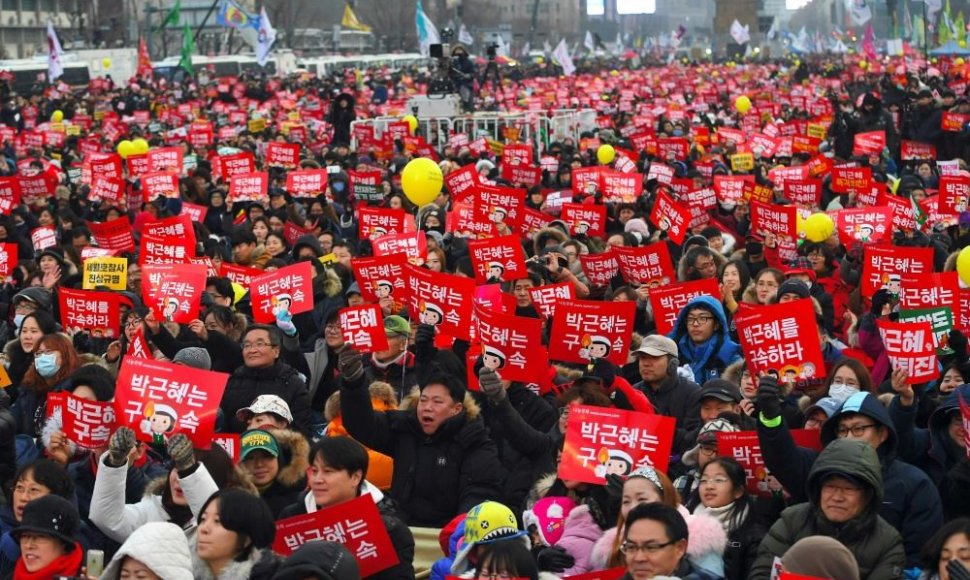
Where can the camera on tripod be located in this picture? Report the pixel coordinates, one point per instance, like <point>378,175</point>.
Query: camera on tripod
<point>441,82</point>
<point>491,51</point>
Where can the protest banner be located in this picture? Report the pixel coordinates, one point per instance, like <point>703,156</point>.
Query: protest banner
<point>88,424</point>
<point>772,219</point>
<point>781,340</point>
<point>165,159</point>
<point>231,443</point>
<point>98,313</point>
<point>9,194</point>
<point>366,185</point>
<point>159,184</point>
<point>600,268</point>
<point>584,331</point>
<point>356,524</point>
<point>650,265</point>
<point>670,217</point>
<point>499,205</point>
<point>621,187</point>
<point>954,193</point>
<point>8,258</point>
<point>249,187</point>
<point>109,272</point>
<point>911,346</point>
<point>864,225</point>
<point>497,259</point>
<point>374,222</point>
<point>381,276</point>
<point>511,345</point>
<point>363,327</point>
<point>884,267</point>
<point>178,293</point>
<point>107,190</point>
<point>158,399</point>
<point>306,183</point>
<point>803,192</point>
<point>242,275</point>
<point>280,294</point>
<point>545,298</point>
<point>284,155</point>
<point>138,346</point>
<point>669,299</point>
<point>607,441</point>
<point>462,183</point>
<point>584,220</point>
<point>744,447</point>
<point>43,237</point>
<point>441,300</point>
<point>869,143</point>
<point>413,245</point>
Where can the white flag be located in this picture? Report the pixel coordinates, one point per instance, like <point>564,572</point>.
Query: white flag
<point>267,36</point>
<point>561,54</point>
<point>859,11</point>
<point>546,47</point>
<point>465,37</point>
<point>501,49</point>
<point>54,53</point>
<point>427,32</point>
<point>589,43</point>
<point>526,49</point>
<point>739,33</point>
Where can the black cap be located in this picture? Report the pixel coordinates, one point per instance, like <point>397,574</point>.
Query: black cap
<point>53,516</point>
<point>794,286</point>
<point>721,390</point>
<point>325,560</point>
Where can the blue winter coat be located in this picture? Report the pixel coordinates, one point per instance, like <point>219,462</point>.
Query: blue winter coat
<point>709,360</point>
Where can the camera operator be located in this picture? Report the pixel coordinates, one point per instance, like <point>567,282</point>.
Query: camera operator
<point>462,73</point>
<point>554,266</point>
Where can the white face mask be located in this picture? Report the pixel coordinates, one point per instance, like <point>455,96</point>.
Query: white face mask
<point>841,391</point>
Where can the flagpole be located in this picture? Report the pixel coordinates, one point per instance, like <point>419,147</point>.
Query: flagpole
<point>205,20</point>
<point>926,33</point>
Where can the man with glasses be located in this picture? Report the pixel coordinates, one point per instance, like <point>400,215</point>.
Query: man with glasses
<point>655,545</point>
<point>263,373</point>
<point>701,263</point>
<point>911,503</point>
<point>701,334</point>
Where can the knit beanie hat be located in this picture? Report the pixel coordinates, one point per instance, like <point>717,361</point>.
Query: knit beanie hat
<point>821,556</point>
<point>195,357</point>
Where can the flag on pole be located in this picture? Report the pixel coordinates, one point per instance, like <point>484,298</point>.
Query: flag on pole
<point>54,53</point>
<point>350,20</point>
<point>188,47</point>
<point>465,37</point>
<point>588,42</point>
<point>869,43</point>
<point>501,48</point>
<point>859,12</point>
<point>144,70</point>
<point>267,36</point>
<point>232,15</point>
<point>960,28</point>
<point>173,16</point>
<point>561,54</point>
<point>740,34</point>
<point>427,32</point>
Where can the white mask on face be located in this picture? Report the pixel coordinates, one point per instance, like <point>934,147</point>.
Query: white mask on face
<point>841,391</point>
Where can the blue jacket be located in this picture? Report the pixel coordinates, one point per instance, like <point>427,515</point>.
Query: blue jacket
<point>911,502</point>
<point>930,448</point>
<point>707,361</point>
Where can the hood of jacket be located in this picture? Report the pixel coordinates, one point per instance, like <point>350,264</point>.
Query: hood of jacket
<point>707,303</point>
<point>863,404</point>
<point>307,241</point>
<point>294,456</point>
<point>853,458</point>
<point>160,546</point>
<point>545,234</point>
<point>940,420</point>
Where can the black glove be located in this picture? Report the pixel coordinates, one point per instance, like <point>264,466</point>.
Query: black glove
<point>554,559</point>
<point>349,363</point>
<point>119,446</point>
<point>491,384</point>
<point>181,451</point>
<point>769,397</point>
<point>424,334</point>
<point>957,570</point>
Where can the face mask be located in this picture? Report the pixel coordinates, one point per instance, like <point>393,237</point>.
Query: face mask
<point>46,364</point>
<point>18,319</point>
<point>728,206</point>
<point>841,391</point>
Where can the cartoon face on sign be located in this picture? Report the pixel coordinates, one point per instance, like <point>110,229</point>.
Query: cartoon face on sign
<point>384,289</point>
<point>664,224</point>
<point>431,314</point>
<point>581,228</point>
<point>595,347</point>
<point>171,307</point>
<point>281,304</point>
<point>496,271</point>
<point>613,462</point>
<point>493,358</point>
<point>864,232</point>
<point>160,420</point>
<point>892,283</point>
<point>497,215</point>
<point>377,232</point>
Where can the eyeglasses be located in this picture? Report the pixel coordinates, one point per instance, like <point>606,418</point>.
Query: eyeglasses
<point>32,492</point>
<point>699,320</point>
<point>25,307</point>
<point>133,322</point>
<point>844,489</point>
<point>259,344</point>
<point>707,451</point>
<point>857,431</point>
<point>493,575</point>
<point>714,481</point>
<point>332,328</point>
<point>629,548</point>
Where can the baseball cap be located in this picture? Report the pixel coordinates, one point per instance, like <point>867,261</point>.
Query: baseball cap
<point>658,345</point>
<point>266,404</point>
<point>258,439</point>
<point>707,436</point>
<point>721,390</point>
<point>395,325</point>
<point>827,405</point>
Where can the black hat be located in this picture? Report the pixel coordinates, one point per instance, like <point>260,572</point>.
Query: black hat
<point>721,390</point>
<point>793,286</point>
<point>323,560</point>
<point>50,515</point>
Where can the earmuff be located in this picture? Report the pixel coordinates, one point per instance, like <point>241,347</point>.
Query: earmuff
<point>673,363</point>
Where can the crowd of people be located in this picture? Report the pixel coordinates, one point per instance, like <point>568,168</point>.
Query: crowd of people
<point>435,437</point>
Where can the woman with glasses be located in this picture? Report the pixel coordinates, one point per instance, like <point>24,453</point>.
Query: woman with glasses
<point>763,287</point>
<point>506,560</point>
<point>131,322</point>
<point>724,497</point>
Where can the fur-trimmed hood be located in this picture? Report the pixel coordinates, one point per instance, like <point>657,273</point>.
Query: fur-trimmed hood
<point>733,372</point>
<point>545,234</point>
<point>381,395</point>
<point>259,564</point>
<point>719,260</point>
<point>472,410</point>
<point>294,456</point>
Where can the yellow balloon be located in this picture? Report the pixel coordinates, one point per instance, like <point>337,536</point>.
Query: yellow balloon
<point>140,146</point>
<point>421,181</point>
<point>963,265</point>
<point>126,148</point>
<point>57,116</point>
<point>106,62</point>
<point>958,61</point>
<point>742,104</point>
<point>605,154</point>
<point>412,122</point>
<point>863,64</point>
<point>818,227</point>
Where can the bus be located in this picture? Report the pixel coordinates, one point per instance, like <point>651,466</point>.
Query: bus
<point>215,66</point>
<point>30,76</point>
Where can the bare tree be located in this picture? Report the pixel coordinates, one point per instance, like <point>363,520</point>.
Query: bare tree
<point>392,21</point>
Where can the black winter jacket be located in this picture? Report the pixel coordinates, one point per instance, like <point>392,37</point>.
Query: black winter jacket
<point>279,379</point>
<point>678,398</point>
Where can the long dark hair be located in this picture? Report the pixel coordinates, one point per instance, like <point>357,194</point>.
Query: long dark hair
<point>247,515</point>
<point>511,557</point>
<point>735,472</point>
<point>930,560</point>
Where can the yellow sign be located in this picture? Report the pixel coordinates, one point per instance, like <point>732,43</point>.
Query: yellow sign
<point>742,162</point>
<point>257,125</point>
<point>106,272</point>
<point>817,130</point>
<point>293,115</point>
<point>4,378</point>
<point>73,130</point>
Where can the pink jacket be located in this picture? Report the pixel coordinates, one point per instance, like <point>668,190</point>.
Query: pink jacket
<point>578,537</point>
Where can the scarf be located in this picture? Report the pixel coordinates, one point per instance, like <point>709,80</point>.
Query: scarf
<point>698,354</point>
<point>723,514</point>
<point>67,565</point>
<point>383,365</point>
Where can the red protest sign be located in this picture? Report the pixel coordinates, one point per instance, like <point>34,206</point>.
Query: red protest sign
<point>743,446</point>
<point>851,179</point>
<point>285,155</point>
<point>650,265</point>
<point>670,217</point>
<point>285,291</point>
<point>441,300</point>
<point>511,345</point>
<point>930,291</point>
<point>374,222</point>
<point>870,143</point>
<point>606,441</point>
<point>43,237</point>
<point>584,219</point>
<point>95,312</point>
<point>243,275</point>
<point>114,234</point>
<point>730,188</point>
<point>611,574</point>
<point>883,267</point>
<point>105,165</point>
<point>914,150</point>
<point>545,298</point>
<point>864,225</point>
<point>462,182</point>
<point>138,347</point>
<point>158,399</point>
<point>668,300</point>
<point>306,183</point>
<point>779,220</point>
<point>600,268</point>
<point>904,214</point>
<point>366,185</point>
<point>229,166</point>
<point>803,192</point>
<point>965,420</point>
<point>911,346</point>
<point>522,175</point>
<point>500,258</point>
<point>9,194</point>
<point>179,293</point>
<point>8,258</point>
<point>587,179</point>
<point>413,245</point>
<point>363,327</point>
<point>380,276</point>
<point>464,220</point>
<point>137,165</point>
<point>517,155</point>
<point>356,524</point>
<point>196,213</point>
<point>499,204</point>
<point>160,184</point>
<point>89,424</point>
<point>781,339</point>
<point>953,122</point>
<point>109,190</point>
<point>165,159</point>
<point>164,249</point>
<point>36,189</point>
<point>954,193</point>
<point>583,331</point>
<point>249,187</point>
<point>231,442</point>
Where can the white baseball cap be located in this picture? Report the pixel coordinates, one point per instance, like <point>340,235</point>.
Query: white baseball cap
<point>265,404</point>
